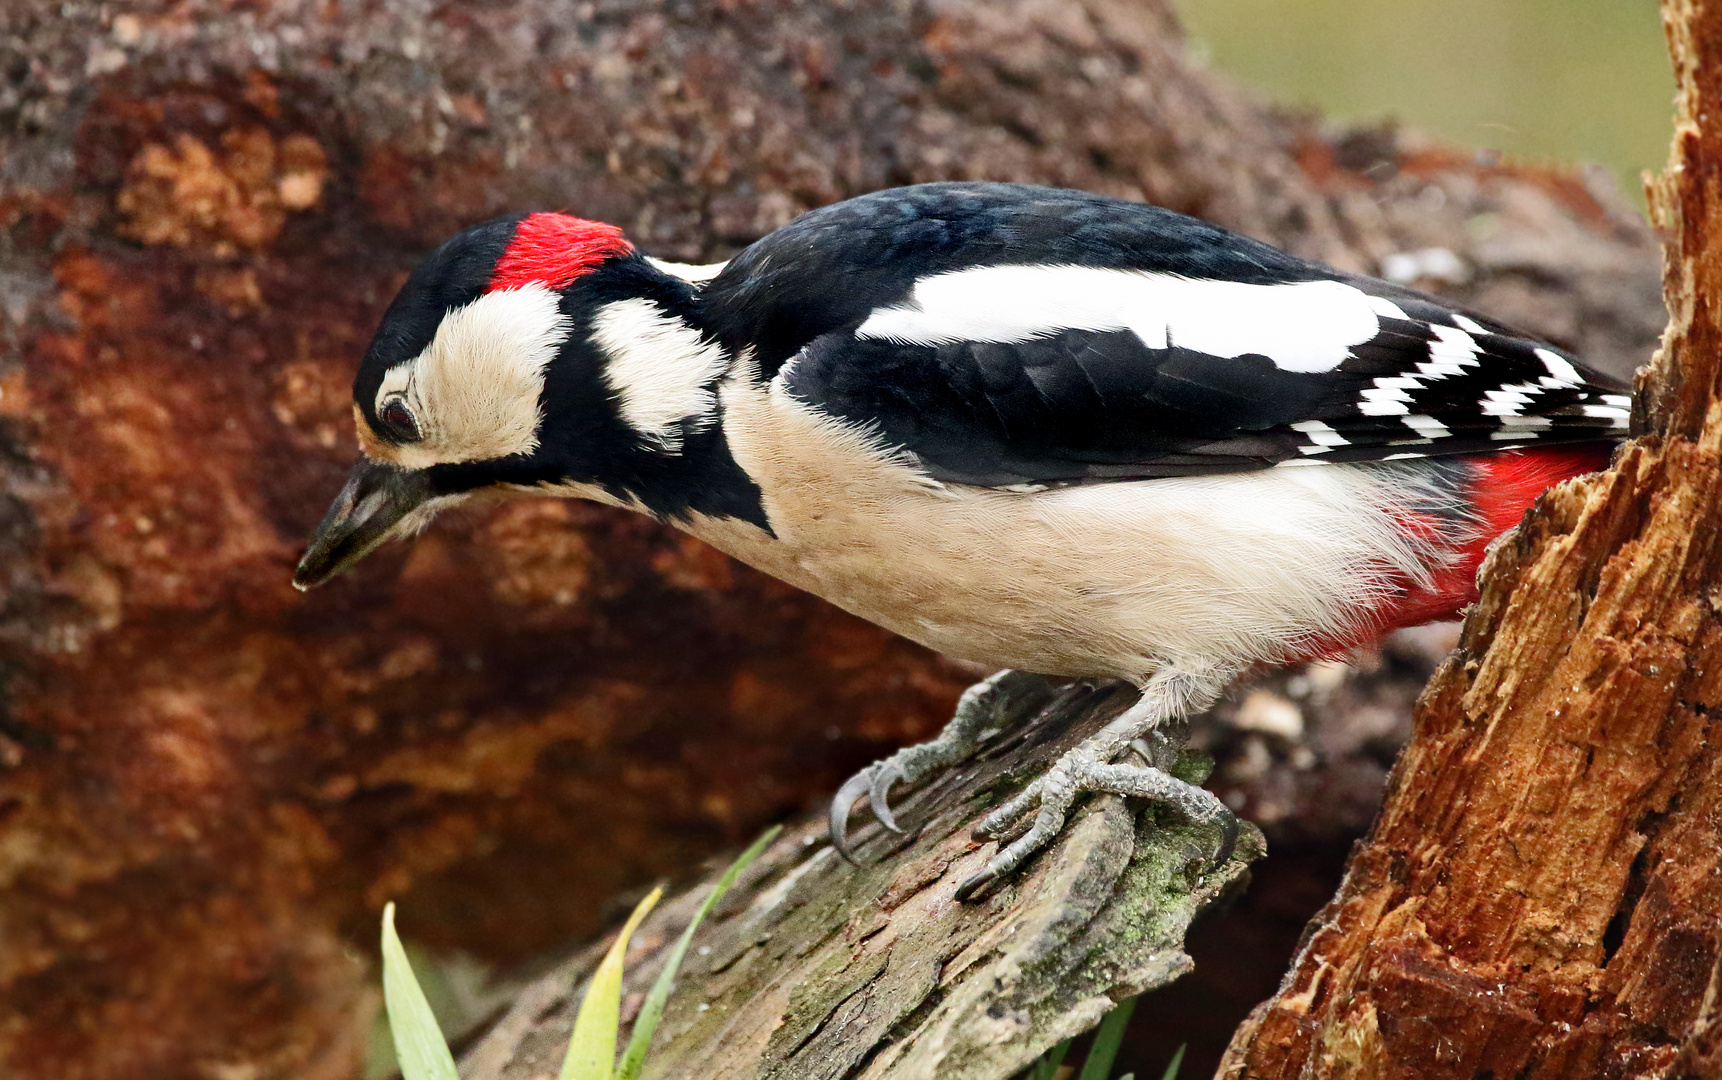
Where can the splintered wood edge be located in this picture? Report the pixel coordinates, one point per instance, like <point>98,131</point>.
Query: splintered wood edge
<point>812,968</point>
<point>1602,594</point>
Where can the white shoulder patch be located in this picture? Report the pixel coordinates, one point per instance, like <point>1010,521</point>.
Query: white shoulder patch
<point>474,390</point>
<point>660,368</point>
<point>1305,326</point>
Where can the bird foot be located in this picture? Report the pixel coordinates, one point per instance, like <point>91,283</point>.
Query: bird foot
<point>975,718</point>
<point>1154,729</point>
<point>1081,771</point>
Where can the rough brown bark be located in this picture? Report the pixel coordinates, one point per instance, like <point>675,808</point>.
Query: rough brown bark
<point>874,972</point>
<point>824,971</point>
<point>208,783</point>
<point>1540,895</point>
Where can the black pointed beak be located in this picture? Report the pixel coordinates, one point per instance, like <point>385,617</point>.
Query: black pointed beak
<point>378,501</point>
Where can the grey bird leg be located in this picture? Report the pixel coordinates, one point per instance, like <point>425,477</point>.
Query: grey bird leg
<point>976,716</point>
<point>1156,724</point>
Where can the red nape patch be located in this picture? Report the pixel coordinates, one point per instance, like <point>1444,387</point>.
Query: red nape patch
<point>554,249</point>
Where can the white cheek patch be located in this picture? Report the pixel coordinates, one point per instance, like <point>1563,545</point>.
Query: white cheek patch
<point>1304,326</point>
<point>474,390</point>
<point>660,369</point>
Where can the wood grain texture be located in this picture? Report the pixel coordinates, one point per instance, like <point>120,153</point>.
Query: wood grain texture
<point>1541,894</point>
<point>819,970</point>
<point>210,783</point>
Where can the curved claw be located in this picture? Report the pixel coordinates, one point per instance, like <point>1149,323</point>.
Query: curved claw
<point>967,890</point>
<point>1228,837</point>
<point>853,788</point>
<point>885,774</point>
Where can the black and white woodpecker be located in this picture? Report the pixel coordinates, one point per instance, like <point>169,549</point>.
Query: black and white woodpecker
<point>1038,429</point>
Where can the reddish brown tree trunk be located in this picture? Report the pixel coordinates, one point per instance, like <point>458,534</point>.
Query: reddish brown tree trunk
<point>208,783</point>
<point>1542,894</point>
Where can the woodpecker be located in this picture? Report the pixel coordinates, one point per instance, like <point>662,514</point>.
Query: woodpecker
<point>1040,429</point>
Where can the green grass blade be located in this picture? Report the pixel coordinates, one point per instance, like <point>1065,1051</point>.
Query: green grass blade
<point>592,1047</point>
<point>1106,1040</point>
<point>1175,1064</point>
<point>646,1024</point>
<point>1046,1066</point>
<point>419,1045</point>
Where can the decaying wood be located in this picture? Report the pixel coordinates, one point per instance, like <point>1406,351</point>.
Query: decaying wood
<point>210,783</point>
<point>825,970</point>
<point>1542,894</point>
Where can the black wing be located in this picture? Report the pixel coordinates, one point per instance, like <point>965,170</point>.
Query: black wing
<point>1083,405</point>
<point>830,267</point>
<point>1090,401</point>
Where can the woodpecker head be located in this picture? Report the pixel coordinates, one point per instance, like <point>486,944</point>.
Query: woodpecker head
<point>535,350</point>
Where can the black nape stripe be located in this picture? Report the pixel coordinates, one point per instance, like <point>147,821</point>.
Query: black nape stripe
<point>583,438</point>
<point>586,439</point>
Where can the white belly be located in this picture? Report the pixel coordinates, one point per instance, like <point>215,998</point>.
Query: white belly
<point>1107,579</point>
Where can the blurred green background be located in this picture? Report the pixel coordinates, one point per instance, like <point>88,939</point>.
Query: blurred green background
<point>1573,81</point>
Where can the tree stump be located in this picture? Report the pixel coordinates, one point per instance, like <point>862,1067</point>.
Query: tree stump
<point>208,783</point>
<point>1540,895</point>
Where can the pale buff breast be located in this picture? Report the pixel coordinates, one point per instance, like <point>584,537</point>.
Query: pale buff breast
<point>1106,579</point>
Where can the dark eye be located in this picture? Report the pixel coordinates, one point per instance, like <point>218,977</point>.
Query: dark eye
<point>399,420</point>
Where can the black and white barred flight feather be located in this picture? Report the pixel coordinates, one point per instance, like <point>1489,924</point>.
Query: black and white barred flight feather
<point>1008,335</point>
